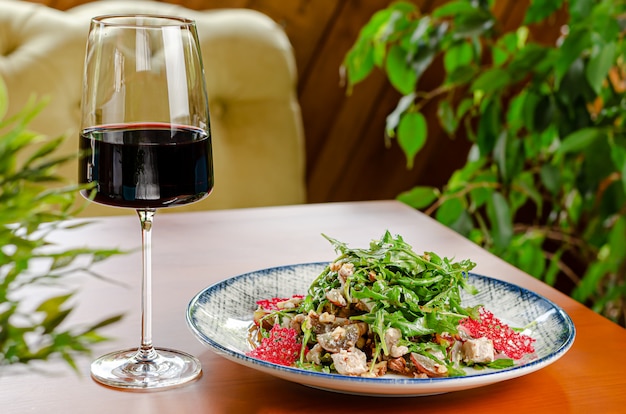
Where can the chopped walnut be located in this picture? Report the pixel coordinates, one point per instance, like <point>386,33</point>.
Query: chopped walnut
<point>397,365</point>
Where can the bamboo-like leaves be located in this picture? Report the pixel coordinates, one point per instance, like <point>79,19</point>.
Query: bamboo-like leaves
<point>29,213</point>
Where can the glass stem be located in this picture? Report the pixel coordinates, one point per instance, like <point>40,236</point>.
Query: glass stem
<point>146,352</point>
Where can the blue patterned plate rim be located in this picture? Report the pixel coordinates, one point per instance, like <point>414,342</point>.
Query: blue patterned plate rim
<point>202,302</point>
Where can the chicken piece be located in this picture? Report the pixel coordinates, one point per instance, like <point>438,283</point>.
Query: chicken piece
<point>290,303</point>
<point>315,354</point>
<point>428,366</point>
<point>392,336</point>
<point>478,351</point>
<point>352,361</point>
<point>398,351</point>
<point>335,297</point>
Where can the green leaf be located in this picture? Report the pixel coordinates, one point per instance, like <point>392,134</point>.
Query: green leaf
<point>359,62</point>
<point>421,29</point>
<point>571,49</point>
<point>53,304</point>
<point>484,189</point>
<point>606,22</point>
<point>450,211</point>
<point>419,197</point>
<point>617,242</point>
<point>540,9</point>
<point>453,8</point>
<point>525,187</point>
<point>544,113</point>
<point>463,224</point>
<point>54,315</point>
<point>590,281</point>
<point>515,113</point>
<point>500,217</point>
<point>370,46</point>
<point>412,133</point>
<point>446,117</point>
<point>460,55</point>
<point>551,178</point>
<point>580,9</point>
<point>393,119</point>
<point>618,155</point>
<point>599,64</point>
<point>462,75</point>
<point>530,257</point>
<point>551,274</point>
<point>492,80</point>
<point>462,177</point>
<point>400,74</point>
<point>473,22</point>
<point>528,59</point>
<point>465,105</point>
<point>574,206</point>
<point>62,261</point>
<point>574,85</point>
<point>579,140</point>
<point>501,363</point>
<point>508,154</point>
<point>489,127</point>
<point>505,47</point>
<point>45,150</point>
<point>422,59</point>
<point>106,322</point>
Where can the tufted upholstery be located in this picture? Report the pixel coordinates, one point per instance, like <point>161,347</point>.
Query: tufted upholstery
<point>250,73</point>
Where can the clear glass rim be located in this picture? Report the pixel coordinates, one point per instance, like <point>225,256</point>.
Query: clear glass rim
<point>132,20</point>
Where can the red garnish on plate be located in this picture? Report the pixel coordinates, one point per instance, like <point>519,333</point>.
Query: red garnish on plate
<point>513,344</point>
<point>281,347</point>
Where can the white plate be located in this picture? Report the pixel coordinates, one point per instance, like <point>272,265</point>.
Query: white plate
<point>221,314</point>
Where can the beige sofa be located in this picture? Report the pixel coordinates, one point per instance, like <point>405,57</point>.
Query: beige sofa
<point>251,78</point>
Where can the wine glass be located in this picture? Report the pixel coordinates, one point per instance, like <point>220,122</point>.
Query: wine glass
<point>145,144</point>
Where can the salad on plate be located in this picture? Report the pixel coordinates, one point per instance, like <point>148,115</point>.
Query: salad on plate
<point>386,309</point>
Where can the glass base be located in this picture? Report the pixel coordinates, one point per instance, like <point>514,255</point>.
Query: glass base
<point>166,368</point>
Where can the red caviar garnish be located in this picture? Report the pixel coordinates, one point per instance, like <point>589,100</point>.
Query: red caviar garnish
<point>281,347</point>
<point>272,304</point>
<point>513,344</point>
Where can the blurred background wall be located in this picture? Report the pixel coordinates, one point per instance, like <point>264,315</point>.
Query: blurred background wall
<point>347,158</point>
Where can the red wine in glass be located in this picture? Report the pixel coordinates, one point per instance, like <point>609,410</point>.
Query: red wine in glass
<point>146,165</point>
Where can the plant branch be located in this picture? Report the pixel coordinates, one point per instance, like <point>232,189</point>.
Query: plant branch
<point>564,268</point>
<point>552,233</point>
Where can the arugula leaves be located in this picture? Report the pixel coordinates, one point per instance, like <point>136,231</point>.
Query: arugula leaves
<point>417,294</point>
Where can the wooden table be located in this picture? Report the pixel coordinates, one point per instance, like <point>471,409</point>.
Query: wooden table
<point>194,250</point>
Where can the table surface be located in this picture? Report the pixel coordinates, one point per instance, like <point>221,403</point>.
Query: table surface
<point>194,250</point>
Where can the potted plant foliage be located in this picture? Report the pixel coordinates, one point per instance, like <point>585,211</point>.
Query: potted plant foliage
<point>31,209</point>
<point>544,185</point>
